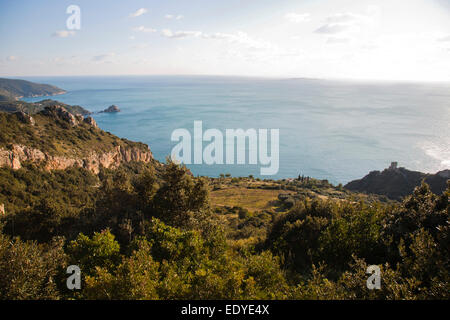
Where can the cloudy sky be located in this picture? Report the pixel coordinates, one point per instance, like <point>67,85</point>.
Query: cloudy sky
<point>350,39</point>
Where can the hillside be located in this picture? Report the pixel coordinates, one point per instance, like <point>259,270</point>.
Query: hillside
<point>32,108</point>
<point>59,139</point>
<point>396,183</point>
<point>12,89</point>
<point>151,231</point>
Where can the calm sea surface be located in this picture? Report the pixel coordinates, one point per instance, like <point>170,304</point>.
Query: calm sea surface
<point>331,130</point>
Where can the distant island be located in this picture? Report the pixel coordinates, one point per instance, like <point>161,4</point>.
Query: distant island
<point>111,109</point>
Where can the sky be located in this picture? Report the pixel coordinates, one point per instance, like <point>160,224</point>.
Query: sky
<point>332,39</point>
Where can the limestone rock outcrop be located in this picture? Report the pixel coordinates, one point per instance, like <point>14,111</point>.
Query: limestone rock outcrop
<point>89,120</point>
<point>19,154</point>
<point>25,118</point>
<point>62,113</point>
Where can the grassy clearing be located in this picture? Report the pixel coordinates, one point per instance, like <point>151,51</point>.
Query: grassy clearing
<point>251,199</point>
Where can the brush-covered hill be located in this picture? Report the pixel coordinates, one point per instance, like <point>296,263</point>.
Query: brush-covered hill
<point>32,108</point>
<point>59,139</point>
<point>13,89</point>
<point>157,232</point>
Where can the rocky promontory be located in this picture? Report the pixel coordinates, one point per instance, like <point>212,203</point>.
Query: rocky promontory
<point>397,182</point>
<point>58,139</point>
<point>13,89</point>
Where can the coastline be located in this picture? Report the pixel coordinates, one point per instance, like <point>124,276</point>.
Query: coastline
<point>153,108</point>
<point>18,98</point>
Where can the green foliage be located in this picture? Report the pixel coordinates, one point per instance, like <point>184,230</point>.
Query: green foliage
<point>100,251</point>
<point>355,232</point>
<point>30,270</point>
<point>295,236</point>
<point>21,88</point>
<point>144,232</point>
<point>55,136</point>
<point>181,198</point>
<point>422,209</point>
<point>43,204</point>
<point>173,244</point>
<point>137,277</point>
<point>344,239</point>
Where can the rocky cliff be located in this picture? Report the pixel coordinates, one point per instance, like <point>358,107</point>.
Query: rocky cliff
<point>20,154</point>
<point>57,139</point>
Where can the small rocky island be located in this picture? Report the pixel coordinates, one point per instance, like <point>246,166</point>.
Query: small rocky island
<point>111,109</point>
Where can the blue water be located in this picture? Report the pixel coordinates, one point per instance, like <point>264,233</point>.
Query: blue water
<point>331,130</point>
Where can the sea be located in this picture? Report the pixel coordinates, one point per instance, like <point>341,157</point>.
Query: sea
<point>328,129</point>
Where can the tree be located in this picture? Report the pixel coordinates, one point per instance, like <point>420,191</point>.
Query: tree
<point>102,250</point>
<point>180,198</point>
<point>30,270</point>
<point>137,278</point>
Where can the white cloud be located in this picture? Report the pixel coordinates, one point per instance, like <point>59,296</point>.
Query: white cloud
<point>338,40</point>
<point>348,21</point>
<point>61,60</point>
<point>444,39</point>
<point>11,58</point>
<point>138,12</point>
<point>344,27</point>
<point>241,46</point>
<point>180,34</point>
<point>297,17</point>
<point>237,46</point>
<point>347,17</point>
<point>176,17</point>
<point>144,29</point>
<point>333,28</point>
<point>63,33</point>
<point>240,38</point>
<point>107,57</point>
<point>141,46</point>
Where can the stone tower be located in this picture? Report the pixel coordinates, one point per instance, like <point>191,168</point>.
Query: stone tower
<point>394,165</point>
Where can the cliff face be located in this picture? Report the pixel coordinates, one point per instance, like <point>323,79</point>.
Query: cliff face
<point>57,140</point>
<point>19,154</point>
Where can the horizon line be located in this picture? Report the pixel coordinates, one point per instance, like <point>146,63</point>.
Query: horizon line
<point>239,76</point>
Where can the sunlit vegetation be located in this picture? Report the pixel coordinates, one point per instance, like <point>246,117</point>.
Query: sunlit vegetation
<point>55,136</point>
<point>141,232</point>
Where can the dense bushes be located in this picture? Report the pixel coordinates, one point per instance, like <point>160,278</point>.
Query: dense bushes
<point>332,244</point>
<point>141,233</point>
<point>30,270</point>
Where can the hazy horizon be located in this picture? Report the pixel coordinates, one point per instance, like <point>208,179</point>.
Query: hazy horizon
<point>356,81</point>
<point>400,40</point>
